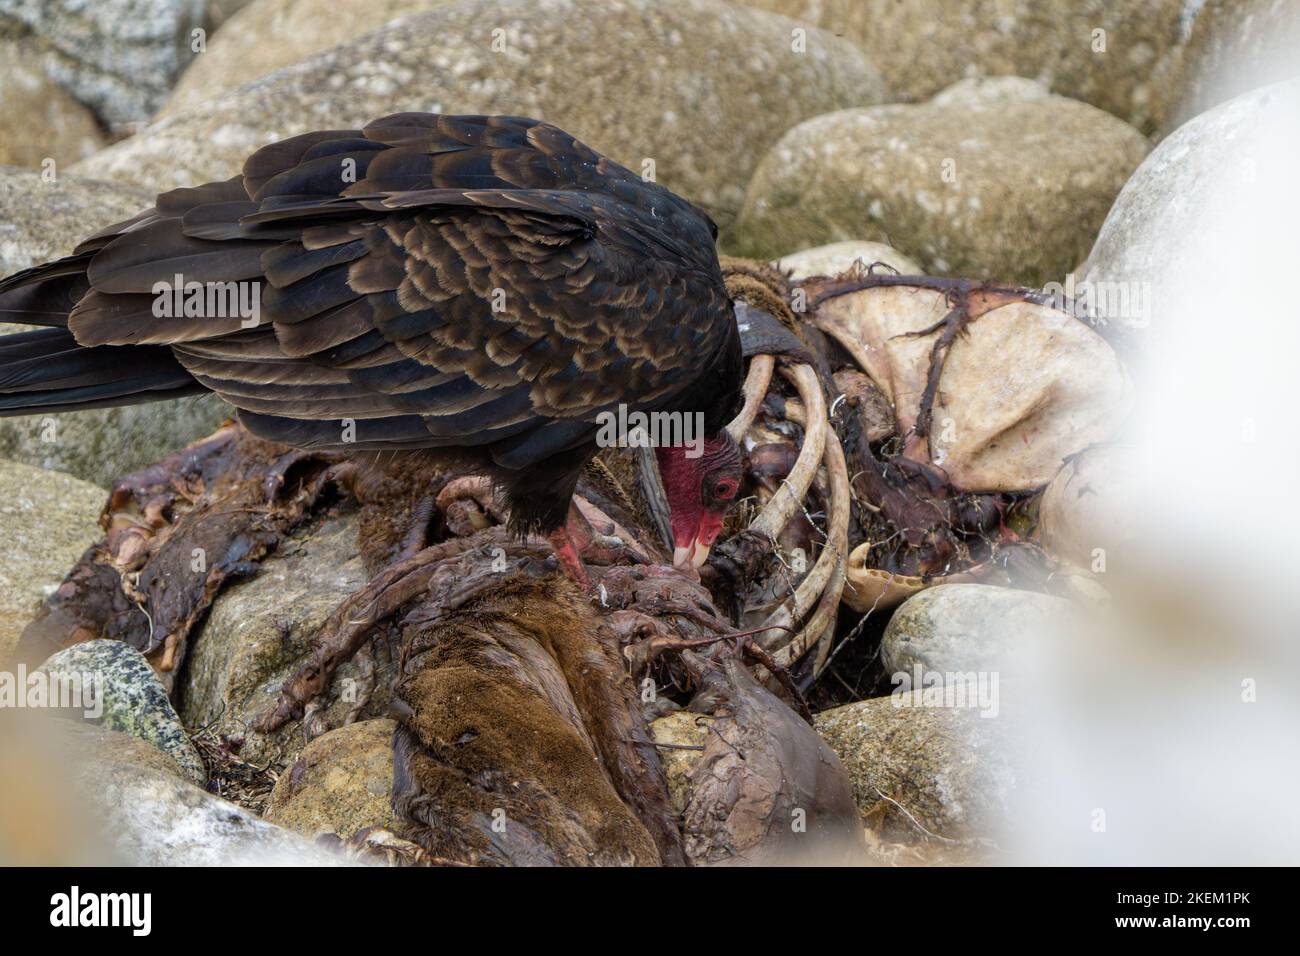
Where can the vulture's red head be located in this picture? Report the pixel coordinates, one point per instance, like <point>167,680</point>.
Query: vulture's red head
<point>701,485</point>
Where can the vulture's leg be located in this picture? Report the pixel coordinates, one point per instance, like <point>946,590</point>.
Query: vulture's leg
<point>567,554</point>
<point>577,539</point>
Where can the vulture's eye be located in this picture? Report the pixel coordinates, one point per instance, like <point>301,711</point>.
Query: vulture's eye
<point>724,488</point>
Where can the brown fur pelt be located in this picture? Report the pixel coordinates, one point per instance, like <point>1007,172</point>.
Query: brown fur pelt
<point>518,733</point>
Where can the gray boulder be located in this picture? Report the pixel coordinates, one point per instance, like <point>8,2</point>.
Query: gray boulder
<point>47,520</point>
<point>1123,56</point>
<point>151,818</point>
<point>119,57</point>
<point>691,92</point>
<point>43,219</point>
<point>965,628</point>
<point>264,36</point>
<point>1166,228</point>
<point>40,120</point>
<point>1233,47</point>
<point>992,178</point>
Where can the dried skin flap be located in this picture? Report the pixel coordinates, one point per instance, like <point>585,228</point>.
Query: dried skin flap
<point>1023,387</point>
<point>873,326</point>
<point>1027,388</point>
<point>767,789</point>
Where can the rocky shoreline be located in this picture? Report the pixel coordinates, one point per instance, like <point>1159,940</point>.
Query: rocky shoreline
<point>834,144</point>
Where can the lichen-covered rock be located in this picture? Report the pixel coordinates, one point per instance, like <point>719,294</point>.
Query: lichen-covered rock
<point>342,782</point>
<point>257,632</point>
<point>1123,56</point>
<point>270,34</point>
<point>119,57</point>
<point>968,628</point>
<point>994,178</point>
<point>40,121</point>
<point>837,257</point>
<point>690,92</point>
<point>129,698</point>
<point>47,520</point>
<point>915,765</point>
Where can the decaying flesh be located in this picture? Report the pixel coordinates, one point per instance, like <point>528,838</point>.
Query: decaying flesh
<point>523,704</point>
<point>912,525</point>
<point>517,693</point>
<point>176,533</point>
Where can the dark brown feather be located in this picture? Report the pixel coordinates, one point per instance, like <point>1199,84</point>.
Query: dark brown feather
<point>441,281</point>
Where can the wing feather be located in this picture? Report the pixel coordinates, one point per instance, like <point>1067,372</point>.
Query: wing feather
<point>445,279</point>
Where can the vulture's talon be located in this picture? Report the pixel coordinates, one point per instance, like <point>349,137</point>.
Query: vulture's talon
<point>611,549</point>
<point>471,489</point>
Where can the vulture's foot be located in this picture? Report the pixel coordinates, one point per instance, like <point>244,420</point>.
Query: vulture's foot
<point>590,536</point>
<point>468,505</point>
<point>568,556</point>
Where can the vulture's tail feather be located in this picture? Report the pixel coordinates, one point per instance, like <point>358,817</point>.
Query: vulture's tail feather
<point>44,295</point>
<point>45,370</point>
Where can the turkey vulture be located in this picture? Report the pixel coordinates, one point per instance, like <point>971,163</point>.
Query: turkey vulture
<point>486,288</point>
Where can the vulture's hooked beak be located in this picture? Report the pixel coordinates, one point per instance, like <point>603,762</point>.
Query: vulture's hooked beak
<point>693,552</point>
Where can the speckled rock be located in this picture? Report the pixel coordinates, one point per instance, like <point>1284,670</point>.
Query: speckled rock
<point>119,57</point>
<point>132,699</point>
<point>962,628</point>
<point>47,520</point>
<point>948,768</point>
<point>40,120</point>
<point>992,178</point>
<point>922,46</point>
<point>342,782</point>
<point>258,631</point>
<point>42,219</point>
<point>837,257</point>
<point>698,88</point>
<point>1234,47</point>
<point>269,34</point>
